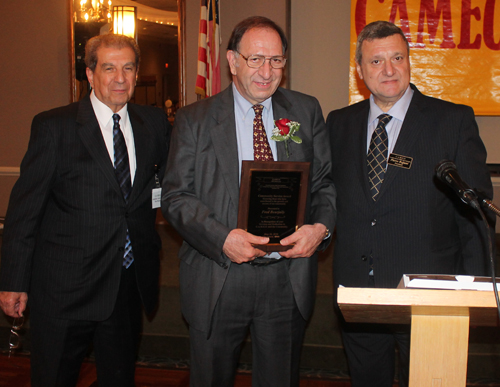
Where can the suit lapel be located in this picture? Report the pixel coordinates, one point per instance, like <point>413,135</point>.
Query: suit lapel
<point>282,109</point>
<point>143,149</point>
<point>224,141</point>
<point>361,121</point>
<point>91,136</point>
<point>412,125</point>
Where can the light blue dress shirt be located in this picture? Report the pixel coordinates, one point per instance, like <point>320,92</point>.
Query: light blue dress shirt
<point>244,115</point>
<point>398,113</point>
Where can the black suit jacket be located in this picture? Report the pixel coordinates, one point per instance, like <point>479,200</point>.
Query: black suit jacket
<point>67,219</point>
<point>201,193</point>
<point>417,225</point>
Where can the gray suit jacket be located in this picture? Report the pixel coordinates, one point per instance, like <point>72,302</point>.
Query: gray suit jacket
<point>201,192</point>
<point>417,225</point>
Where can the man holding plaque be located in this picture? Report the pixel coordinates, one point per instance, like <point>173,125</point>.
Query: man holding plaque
<point>394,215</point>
<point>228,285</point>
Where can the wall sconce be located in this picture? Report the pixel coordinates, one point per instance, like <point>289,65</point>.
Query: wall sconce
<point>124,20</point>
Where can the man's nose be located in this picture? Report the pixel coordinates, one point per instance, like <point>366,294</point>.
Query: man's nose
<point>389,68</point>
<point>266,69</point>
<point>119,76</point>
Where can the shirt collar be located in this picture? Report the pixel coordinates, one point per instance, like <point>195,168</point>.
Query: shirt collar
<point>398,110</point>
<point>104,114</point>
<point>244,106</point>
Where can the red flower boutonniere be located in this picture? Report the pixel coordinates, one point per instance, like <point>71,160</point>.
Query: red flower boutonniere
<point>284,130</point>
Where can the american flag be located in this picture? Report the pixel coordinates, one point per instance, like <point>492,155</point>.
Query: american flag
<point>208,78</point>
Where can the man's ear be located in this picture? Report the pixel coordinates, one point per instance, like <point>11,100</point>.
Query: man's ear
<point>358,69</point>
<point>232,60</point>
<point>90,77</point>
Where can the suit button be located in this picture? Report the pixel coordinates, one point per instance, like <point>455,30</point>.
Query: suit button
<point>121,249</point>
<point>374,222</point>
<point>126,214</point>
<point>224,265</point>
<point>363,258</point>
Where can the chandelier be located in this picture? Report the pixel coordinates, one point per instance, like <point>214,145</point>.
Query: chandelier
<point>95,11</point>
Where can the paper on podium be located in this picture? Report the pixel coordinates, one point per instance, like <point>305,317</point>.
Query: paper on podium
<point>450,282</point>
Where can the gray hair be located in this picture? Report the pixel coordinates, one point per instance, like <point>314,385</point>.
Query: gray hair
<point>109,40</point>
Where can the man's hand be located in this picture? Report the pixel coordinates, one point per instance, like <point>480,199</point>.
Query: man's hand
<point>13,303</point>
<point>306,239</point>
<point>238,246</point>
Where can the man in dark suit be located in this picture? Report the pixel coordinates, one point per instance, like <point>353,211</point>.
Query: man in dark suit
<point>80,235</point>
<point>225,289</point>
<point>394,216</point>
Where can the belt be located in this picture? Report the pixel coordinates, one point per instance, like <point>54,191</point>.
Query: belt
<point>261,261</point>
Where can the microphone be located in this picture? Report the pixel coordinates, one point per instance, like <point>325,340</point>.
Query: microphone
<point>446,171</point>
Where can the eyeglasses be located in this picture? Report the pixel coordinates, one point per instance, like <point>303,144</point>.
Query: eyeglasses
<point>14,338</point>
<point>257,61</point>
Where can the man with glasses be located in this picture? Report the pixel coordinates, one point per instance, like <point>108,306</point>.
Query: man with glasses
<point>229,286</point>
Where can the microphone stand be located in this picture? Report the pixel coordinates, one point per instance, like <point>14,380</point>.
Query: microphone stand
<point>446,171</point>
<point>489,205</point>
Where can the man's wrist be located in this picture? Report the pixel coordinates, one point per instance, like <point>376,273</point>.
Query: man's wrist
<point>327,234</point>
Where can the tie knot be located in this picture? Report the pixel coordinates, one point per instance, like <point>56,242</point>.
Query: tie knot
<point>116,119</point>
<point>384,119</point>
<point>258,109</point>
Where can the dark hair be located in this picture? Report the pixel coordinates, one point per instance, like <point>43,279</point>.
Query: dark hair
<point>254,22</point>
<point>378,30</point>
<point>109,40</point>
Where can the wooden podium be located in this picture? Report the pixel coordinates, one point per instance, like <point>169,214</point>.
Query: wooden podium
<point>439,326</point>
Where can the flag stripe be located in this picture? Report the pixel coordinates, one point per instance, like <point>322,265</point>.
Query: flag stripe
<point>208,77</point>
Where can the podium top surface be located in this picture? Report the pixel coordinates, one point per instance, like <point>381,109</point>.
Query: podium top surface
<point>396,306</point>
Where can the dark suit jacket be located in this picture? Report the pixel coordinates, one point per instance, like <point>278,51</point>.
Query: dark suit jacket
<point>67,219</point>
<point>201,192</point>
<point>417,225</point>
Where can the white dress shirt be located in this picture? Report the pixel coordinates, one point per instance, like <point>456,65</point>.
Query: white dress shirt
<point>105,118</point>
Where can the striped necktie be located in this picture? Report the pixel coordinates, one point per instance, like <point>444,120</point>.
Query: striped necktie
<point>377,155</point>
<point>122,173</point>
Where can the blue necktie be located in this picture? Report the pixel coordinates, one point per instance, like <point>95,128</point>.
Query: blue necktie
<point>377,155</point>
<point>122,173</point>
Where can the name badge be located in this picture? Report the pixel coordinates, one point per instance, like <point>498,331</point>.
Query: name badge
<point>400,161</point>
<point>156,197</point>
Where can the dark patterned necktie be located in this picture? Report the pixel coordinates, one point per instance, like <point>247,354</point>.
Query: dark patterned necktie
<point>261,149</point>
<point>122,173</point>
<point>377,155</point>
